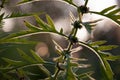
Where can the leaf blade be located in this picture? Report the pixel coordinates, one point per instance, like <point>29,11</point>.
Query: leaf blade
<point>37,57</point>
<point>50,22</point>
<point>26,57</point>
<point>108,9</point>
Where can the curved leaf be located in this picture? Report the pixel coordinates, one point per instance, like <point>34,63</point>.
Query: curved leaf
<point>110,13</point>
<point>14,62</point>
<point>50,22</point>
<point>20,15</point>
<point>69,72</point>
<point>105,65</point>
<point>108,9</point>
<point>24,1</point>
<point>107,47</point>
<point>37,57</point>
<point>97,43</point>
<point>26,57</point>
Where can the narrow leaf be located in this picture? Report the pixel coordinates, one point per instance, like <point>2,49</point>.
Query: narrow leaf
<point>108,70</point>
<point>21,34</point>
<point>31,27</point>
<point>108,9</point>
<point>50,22</point>
<point>24,1</point>
<point>37,57</point>
<point>98,43</point>
<point>58,47</point>
<point>14,62</point>
<point>112,58</point>
<point>41,23</point>
<point>84,75</point>
<point>108,47</point>
<point>110,13</point>
<point>114,11</point>
<point>70,75</point>
<point>20,15</point>
<point>26,57</point>
<point>104,64</point>
<point>89,25</point>
<point>17,41</point>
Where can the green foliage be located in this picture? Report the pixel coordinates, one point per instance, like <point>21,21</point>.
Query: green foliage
<point>65,65</point>
<point>20,14</point>
<point>110,13</point>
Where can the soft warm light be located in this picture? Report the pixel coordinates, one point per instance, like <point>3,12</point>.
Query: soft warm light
<point>42,50</point>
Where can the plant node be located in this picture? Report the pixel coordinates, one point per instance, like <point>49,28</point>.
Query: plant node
<point>73,39</point>
<point>83,9</point>
<point>77,24</point>
<point>60,66</point>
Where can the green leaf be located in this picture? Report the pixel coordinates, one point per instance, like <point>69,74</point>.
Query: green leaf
<point>20,15</point>
<point>14,62</point>
<point>20,34</point>
<point>89,25</point>
<point>17,41</point>
<point>24,1</point>
<point>107,70</point>
<point>112,58</point>
<point>84,75</point>
<point>105,65</point>
<point>107,47</point>
<point>109,56</point>
<point>26,57</point>
<point>114,12</point>
<point>32,27</point>
<point>98,43</point>
<point>108,9</point>
<point>110,13</point>
<point>41,23</point>
<point>58,48</point>
<point>50,22</point>
<point>37,57</point>
<point>70,75</point>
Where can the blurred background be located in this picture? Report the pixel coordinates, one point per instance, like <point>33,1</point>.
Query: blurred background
<point>59,12</point>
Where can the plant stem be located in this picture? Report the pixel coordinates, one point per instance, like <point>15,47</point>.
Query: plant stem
<point>86,3</point>
<point>56,74</point>
<point>2,4</point>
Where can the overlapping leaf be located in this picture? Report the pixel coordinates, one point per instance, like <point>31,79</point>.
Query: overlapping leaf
<point>17,41</point>
<point>90,25</point>
<point>70,75</point>
<point>14,62</point>
<point>110,12</point>
<point>97,49</point>
<point>20,14</point>
<point>25,1</point>
<point>28,61</point>
<point>84,75</point>
<point>32,29</point>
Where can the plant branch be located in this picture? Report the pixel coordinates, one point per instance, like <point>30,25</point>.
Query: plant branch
<point>86,3</point>
<point>56,74</point>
